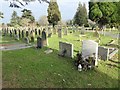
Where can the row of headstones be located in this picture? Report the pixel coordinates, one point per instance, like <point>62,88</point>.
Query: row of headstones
<point>89,48</point>
<point>26,35</point>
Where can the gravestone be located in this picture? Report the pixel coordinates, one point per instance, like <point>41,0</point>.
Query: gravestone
<point>82,30</point>
<point>103,52</point>
<point>22,33</point>
<point>39,42</point>
<point>35,31</point>
<point>32,36</point>
<point>97,35</point>
<point>49,32</point>
<point>60,33</point>
<point>89,48</point>
<point>66,49</point>
<point>26,40</point>
<point>65,31</point>
<point>27,33</point>
<point>44,38</point>
<point>10,33</point>
<point>15,31</point>
<point>7,30</point>
<point>19,34</point>
<point>55,30</point>
<point>39,32</point>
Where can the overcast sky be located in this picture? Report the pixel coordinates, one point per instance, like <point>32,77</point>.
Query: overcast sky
<point>66,7</point>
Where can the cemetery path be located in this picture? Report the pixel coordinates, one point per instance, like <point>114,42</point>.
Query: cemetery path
<point>16,46</point>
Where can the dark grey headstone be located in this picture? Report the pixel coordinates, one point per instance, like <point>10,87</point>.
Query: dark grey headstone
<point>10,33</point>
<point>19,34</point>
<point>22,33</point>
<point>26,40</point>
<point>39,32</point>
<point>60,33</point>
<point>32,39</point>
<point>35,31</point>
<point>44,38</point>
<point>39,42</point>
<point>27,33</point>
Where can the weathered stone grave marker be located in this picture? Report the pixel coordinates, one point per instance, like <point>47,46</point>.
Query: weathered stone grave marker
<point>82,31</point>
<point>44,38</point>
<point>66,49</point>
<point>60,32</point>
<point>39,42</point>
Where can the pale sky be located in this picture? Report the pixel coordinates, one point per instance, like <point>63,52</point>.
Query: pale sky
<point>67,8</point>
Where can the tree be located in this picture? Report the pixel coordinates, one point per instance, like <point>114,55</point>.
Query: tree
<point>1,15</point>
<point>22,3</point>
<point>15,19</point>
<point>69,22</point>
<point>103,12</point>
<point>80,17</point>
<point>53,13</point>
<point>27,14</point>
<point>43,20</point>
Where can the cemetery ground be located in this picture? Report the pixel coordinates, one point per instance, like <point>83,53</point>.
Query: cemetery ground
<point>32,68</point>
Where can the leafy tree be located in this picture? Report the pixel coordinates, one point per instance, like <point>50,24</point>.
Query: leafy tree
<point>22,3</point>
<point>53,13</point>
<point>43,20</point>
<point>15,19</point>
<point>80,17</point>
<point>27,14</point>
<point>103,12</point>
<point>1,15</point>
<point>69,22</point>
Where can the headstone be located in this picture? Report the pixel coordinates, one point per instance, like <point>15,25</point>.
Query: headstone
<point>55,30</point>
<point>39,32</point>
<point>15,31</point>
<point>49,32</point>
<point>17,37</point>
<point>39,42</point>
<point>60,33</point>
<point>65,31</point>
<point>89,48</point>
<point>32,39</point>
<point>26,40</point>
<point>10,33</point>
<point>97,35</point>
<point>32,36</point>
<point>44,38</point>
<point>103,52</point>
<point>27,33</point>
<point>35,31</point>
<point>66,49</point>
<point>19,34</point>
<point>22,33</point>
<point>82,30</point>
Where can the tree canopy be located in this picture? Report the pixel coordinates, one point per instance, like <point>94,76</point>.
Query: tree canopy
<point>80,17</point>
<point>15,19</point>
<point>53,13</point>
<point>28,15</point>
<point>104,12</point>
<point>1,15</point>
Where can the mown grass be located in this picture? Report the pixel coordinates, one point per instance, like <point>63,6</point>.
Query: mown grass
<point>32,68</point>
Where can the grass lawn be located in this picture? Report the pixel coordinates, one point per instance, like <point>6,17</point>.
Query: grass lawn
<point>8,40</point>
<point>32,68</point>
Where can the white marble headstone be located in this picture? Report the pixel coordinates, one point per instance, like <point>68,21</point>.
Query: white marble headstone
<point>88,48</point>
